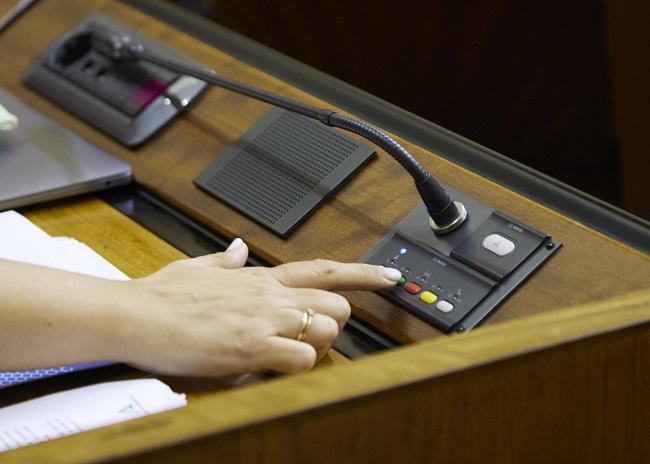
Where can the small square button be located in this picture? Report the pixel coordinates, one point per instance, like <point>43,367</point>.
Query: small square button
<point>428,297</point>
<point>412,288</point>
<point>444,306</point>
<point>498,244</point>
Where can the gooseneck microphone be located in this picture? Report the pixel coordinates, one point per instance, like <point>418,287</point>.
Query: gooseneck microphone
<point>445,215</point>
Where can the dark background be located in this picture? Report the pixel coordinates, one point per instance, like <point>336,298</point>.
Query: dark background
<point>558,86</point>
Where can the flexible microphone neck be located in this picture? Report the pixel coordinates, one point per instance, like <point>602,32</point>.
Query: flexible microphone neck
<point>445,215</point>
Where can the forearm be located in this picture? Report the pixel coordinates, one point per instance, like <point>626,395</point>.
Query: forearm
<point>50,317</point>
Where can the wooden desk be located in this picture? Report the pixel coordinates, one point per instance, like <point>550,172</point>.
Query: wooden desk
<point>536,383</point>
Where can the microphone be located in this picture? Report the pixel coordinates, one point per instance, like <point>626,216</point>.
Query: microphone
<point>445,215</point>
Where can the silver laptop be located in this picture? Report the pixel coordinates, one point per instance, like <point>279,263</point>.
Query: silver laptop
<point>41,160</point>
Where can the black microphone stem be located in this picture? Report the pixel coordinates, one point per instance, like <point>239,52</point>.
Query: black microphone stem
<point>446,215</point>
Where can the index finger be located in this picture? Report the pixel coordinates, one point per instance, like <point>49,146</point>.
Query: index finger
<point>332,275</point>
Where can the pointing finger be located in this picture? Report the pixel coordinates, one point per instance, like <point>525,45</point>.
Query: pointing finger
<point>332,275</point>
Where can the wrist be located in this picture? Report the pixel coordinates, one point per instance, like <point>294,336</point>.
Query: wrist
<point>116,324</point>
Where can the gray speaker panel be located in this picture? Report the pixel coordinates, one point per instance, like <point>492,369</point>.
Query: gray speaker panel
<point>282,169</point>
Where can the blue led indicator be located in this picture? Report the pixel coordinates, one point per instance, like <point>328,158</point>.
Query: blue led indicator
<point>402,251</point>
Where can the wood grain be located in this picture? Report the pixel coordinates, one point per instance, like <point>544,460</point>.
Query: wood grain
<point>629,68</point>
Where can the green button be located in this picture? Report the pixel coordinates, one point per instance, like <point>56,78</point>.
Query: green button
<point>401,281</point>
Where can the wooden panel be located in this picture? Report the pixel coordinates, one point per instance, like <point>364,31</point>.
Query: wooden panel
<point>559,406</point>
<point>590,266</point>
<point>629,70</point>
<point>518,391</point>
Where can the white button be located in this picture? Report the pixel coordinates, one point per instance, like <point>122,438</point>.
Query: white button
<point>498,244</point>
<point>444,306</point>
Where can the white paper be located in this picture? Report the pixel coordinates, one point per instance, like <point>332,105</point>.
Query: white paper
<point>82,409</point>
<point>8,121</point>
<point>21,240</point>
<point>15,228</point>
<point>85,260</point>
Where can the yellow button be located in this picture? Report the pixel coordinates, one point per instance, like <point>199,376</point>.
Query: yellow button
<point>428,297</point>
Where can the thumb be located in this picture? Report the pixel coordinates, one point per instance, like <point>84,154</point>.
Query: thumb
<point>234,257</point>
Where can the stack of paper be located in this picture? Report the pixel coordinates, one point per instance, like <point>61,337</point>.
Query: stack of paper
<point>20,240</point>
<point>81,409</point>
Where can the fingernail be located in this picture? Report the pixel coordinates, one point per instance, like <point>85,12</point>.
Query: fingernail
<point>392,274</point>
<point>235,244</point>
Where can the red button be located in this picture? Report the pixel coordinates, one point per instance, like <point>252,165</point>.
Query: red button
<point>412,288</point>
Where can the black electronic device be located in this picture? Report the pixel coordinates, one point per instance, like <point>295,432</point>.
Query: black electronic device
<point>130,101</point>
<point>459,258</point>
<point>454,281</point>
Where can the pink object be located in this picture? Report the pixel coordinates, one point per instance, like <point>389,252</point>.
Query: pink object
<point>150,90</point>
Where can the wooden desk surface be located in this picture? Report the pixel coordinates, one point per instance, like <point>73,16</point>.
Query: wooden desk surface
<point>589,267</point>
<point>348,399</point>
<point>356,402</point>
<point>414,404</point>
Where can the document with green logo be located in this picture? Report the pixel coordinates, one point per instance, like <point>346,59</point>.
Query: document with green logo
<point>81,409</point>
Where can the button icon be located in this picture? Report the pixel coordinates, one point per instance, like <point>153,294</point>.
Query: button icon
<point>498,244</point>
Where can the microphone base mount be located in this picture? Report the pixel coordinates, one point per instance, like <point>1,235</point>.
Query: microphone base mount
<point>453,225</point>
<point>456,280</point>
<point>130,101</point>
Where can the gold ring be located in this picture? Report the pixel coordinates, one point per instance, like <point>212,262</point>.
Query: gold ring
<point>305,323</point>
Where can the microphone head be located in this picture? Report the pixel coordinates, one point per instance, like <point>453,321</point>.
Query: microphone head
<point>111,44</point>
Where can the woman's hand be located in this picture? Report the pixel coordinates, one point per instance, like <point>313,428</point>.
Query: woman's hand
<point>210,316</point>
